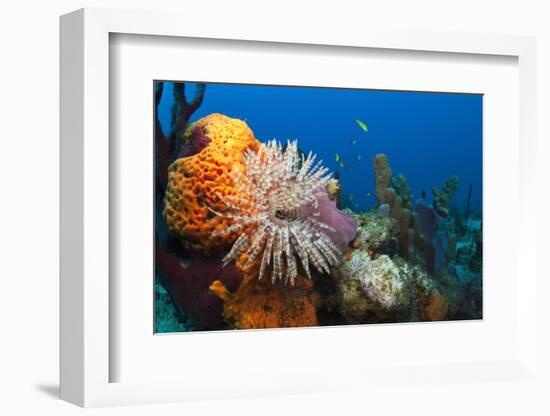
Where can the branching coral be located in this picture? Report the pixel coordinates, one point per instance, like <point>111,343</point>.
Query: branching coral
<point>166,145</point>
<point>399,183</point>
<point>276,213</point>
<point>385,194</point>
<point>442,199</point>
<point>398,201</point>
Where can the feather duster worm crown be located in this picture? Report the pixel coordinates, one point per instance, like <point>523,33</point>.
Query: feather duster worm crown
<point>275,212</point>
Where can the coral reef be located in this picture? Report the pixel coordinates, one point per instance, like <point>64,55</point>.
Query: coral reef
<point>383,175</point>
<point>250,235</point>
<point>429,221</point>
<point>167,317</point>
<point>406,234</point>
<point>476,264</point>
<point>374,284</point>
<point>440,239</point>
<point>398,198</point>
<point>470,249</point>
<point>442,199</point>
<point>203,179</point>
<point>381,280</point>
<point>334,189</point>
<point>444,242</point>
<point>260,304</point>
<point>385,194</point>
<point>384,210</point>
<point>375,233</point>
<point>435,307</point>
<point>462,273</point>
<point>399,183</point>
<point>450,254</point>
<point>188,280</point>
<point>278,212</point>
<point>385,289</point>
<point>463,292</point>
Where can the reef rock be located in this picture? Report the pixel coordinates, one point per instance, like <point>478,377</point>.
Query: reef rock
<point>381,280</point>
<point>375,233</point>
<point>385,289</point>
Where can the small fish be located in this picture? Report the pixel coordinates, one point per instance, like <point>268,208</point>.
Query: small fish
<point>352,142</point>
<point>362,125</point>
<point>357,158</point>
<point>368,194</point>
<point>342,164</point>
<point>337,158</point>
<point>351,197</point>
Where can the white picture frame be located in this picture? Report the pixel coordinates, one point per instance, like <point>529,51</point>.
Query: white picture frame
<point>85,165</point>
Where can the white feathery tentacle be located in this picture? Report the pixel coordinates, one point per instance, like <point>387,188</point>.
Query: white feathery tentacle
<point>275,213</point>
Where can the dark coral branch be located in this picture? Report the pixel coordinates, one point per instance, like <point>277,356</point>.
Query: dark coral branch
<point>159,87</point>
<point>182,109</point>
<point>164,146</point>
<point>197,99</point>
<point>178,109</point>
<point>167,146</point>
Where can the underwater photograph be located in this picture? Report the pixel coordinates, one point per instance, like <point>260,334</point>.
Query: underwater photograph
<point>291,206</point>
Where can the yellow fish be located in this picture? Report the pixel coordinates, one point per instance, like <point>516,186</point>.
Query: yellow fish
<point>337,158</point>
<point>362,125</point>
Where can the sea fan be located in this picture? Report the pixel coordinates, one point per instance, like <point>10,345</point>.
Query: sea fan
<point>276,213</point>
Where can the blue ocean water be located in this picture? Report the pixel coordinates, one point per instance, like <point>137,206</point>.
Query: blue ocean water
<point>427,136</point>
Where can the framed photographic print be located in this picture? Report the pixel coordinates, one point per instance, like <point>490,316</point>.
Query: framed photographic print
<point>281,212</point>
<point>318,230</point>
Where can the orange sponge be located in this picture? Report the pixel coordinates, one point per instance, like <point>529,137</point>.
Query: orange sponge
<point>260,304</point>
<point>198,181</point>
